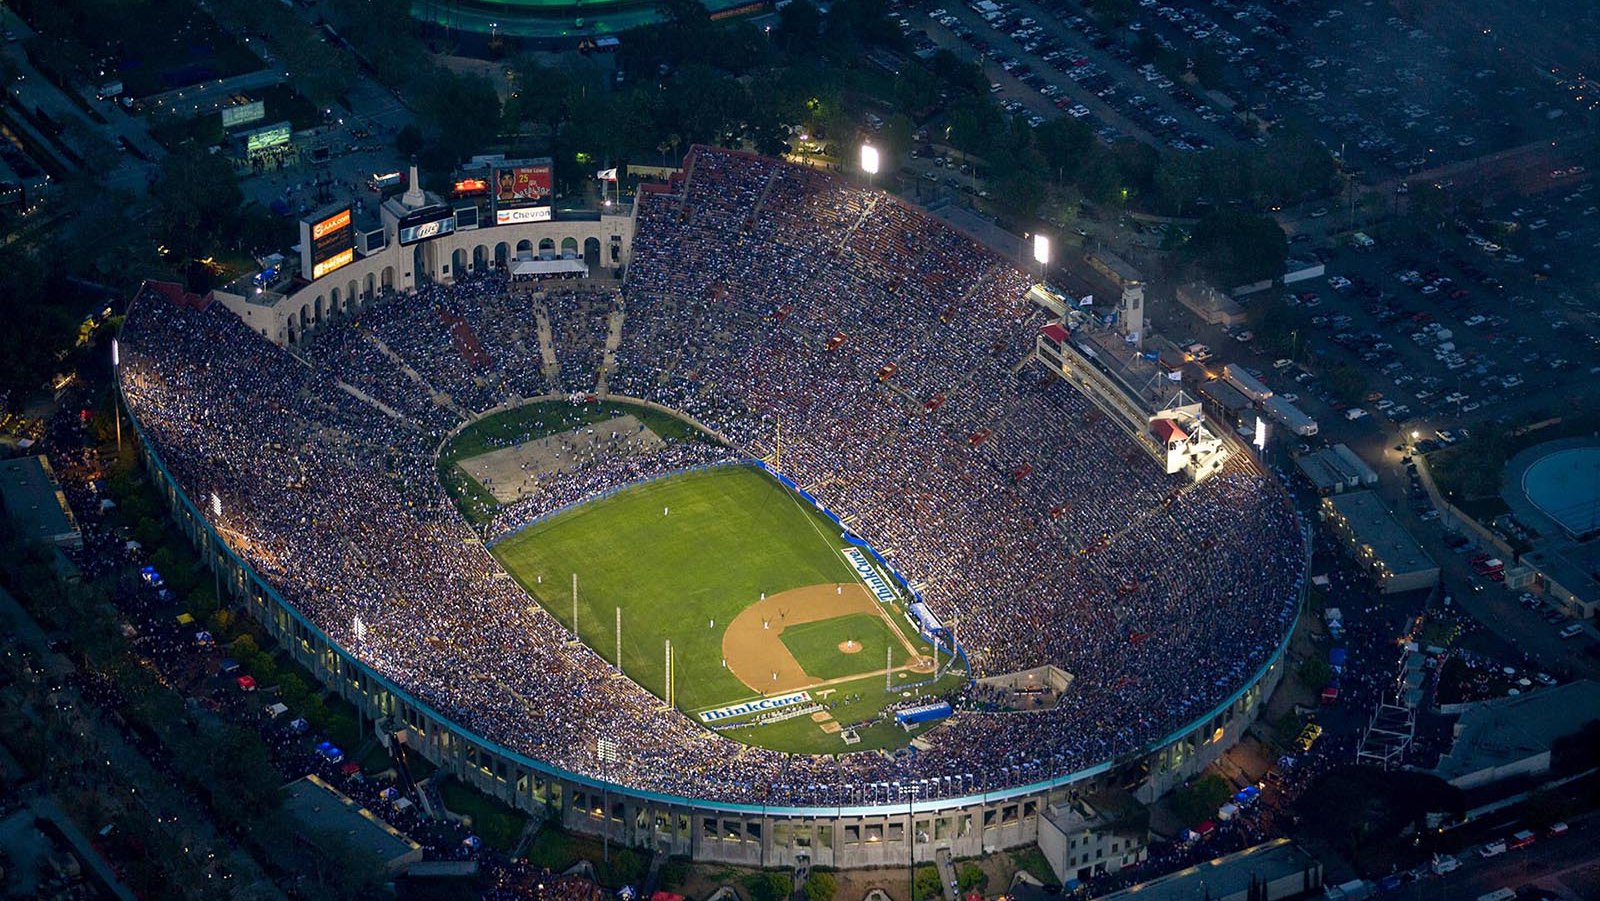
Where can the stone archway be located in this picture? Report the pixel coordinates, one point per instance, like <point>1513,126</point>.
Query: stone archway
<point>372,282</point>
<point>546,244</point>
<point>388,278</point>
<point>502,254</point>
<point>458,263</point>
<point>591,252</point>
<point>524,246</point>
<point>569,248</point>
<point>480,258</point>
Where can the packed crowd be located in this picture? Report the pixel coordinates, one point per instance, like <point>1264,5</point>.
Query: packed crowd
<point>886,342</point>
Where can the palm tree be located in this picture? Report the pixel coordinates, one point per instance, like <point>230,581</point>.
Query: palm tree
<point>663,147</point>
<point>674,140</point>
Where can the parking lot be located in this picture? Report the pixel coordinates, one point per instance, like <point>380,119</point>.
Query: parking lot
<point>1389,92</point>
<point>1049,59</point>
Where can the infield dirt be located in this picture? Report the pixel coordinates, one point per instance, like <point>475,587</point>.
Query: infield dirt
<point>753,646</point>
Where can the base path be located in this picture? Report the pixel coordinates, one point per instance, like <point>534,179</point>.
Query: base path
<point>757,655</point>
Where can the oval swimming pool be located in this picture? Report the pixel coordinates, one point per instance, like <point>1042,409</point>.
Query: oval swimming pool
<point>1565,486</point>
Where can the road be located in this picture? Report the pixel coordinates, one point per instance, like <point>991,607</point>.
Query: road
<point>131,173</point>
<point>157,793</point>
<point>1566,868</point>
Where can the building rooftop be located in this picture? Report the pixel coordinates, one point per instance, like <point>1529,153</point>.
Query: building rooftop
<point>1225,876</point>
<point>1114,267</point>
<point>1506,730</point>
<point>320,808</point>
<point>35,503</point>
<point>1224,395</point>
<point>1374,526</point>
<point>1329,468</point>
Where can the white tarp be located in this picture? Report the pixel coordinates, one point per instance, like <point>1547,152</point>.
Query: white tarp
<point>554,266</point>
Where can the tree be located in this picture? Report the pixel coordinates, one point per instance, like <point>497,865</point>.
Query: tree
<point>195,200</point>
<point>1348,383</point>
<point>1200,799</point>
<point>770,886</point>
<point>820,886</point>
<point>408,140</point>
<point>800,23</point>
<point>925,884</point>
<point>1316,673</point>
<point>1358,809</point>
<point>971,877</point>
<point>34,326</point>
<point>1230,248</point>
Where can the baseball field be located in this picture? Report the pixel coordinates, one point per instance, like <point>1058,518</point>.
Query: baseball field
<point>749,584</point>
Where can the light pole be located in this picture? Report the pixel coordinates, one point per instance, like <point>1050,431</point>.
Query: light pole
<point>116,406</point>
<point>216,549</point>
<point>869,162</point>
<point>606,750</point>
<point>1041,253</point>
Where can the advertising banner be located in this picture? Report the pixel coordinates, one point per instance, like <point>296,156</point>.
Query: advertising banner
<point>243,113</point>
<point>424,224</point>
<point>756,706</point>
<point>332,243</point>
<point>529,214</point>
<point>522,192</point>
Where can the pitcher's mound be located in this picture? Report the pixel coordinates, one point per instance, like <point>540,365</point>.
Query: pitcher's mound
<point>850,647</point>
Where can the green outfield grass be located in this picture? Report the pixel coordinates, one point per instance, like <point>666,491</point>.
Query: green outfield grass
<point>732,534</point>
<point>816,645</point>
<point>849,702</point>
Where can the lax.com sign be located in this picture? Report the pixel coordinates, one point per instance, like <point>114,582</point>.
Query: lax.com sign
<point>877,584</point>
<point>756,706</point>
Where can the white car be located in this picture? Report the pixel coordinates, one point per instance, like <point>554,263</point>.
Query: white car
<point>1354,413</point>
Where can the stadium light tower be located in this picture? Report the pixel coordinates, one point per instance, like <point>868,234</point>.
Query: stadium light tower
<point>1041,252</point>
<point>869,161</point>
<point>116,409</point>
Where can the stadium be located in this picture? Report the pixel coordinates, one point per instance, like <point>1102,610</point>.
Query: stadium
<point>553,22</point>
<point>793,544</point>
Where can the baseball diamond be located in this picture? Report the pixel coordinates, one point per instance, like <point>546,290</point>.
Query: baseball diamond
<point>776,326</point>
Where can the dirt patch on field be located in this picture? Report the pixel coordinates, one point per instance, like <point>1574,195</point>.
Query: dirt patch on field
<point>751,644</point>
<point>850,647</point>
<point>510,471</point>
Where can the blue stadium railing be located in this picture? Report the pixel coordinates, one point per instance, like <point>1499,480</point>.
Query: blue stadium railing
<point>896,807</point>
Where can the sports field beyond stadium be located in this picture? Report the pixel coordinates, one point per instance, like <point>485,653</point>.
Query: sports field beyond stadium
<point>689,558</point>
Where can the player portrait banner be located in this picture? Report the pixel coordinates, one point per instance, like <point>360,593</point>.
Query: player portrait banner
<point>522,192</point>
<point>756,706</point>
<point>876,583</point>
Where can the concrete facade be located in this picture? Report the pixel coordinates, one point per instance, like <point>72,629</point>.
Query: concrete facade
<point>286,318</point>
<point>855,836</point>
<point>1091,838</point>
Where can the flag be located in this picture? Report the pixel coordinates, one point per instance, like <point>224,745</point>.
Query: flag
<point>1086,301</point>
<point>606,175</point>
<point>1174,376</point>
